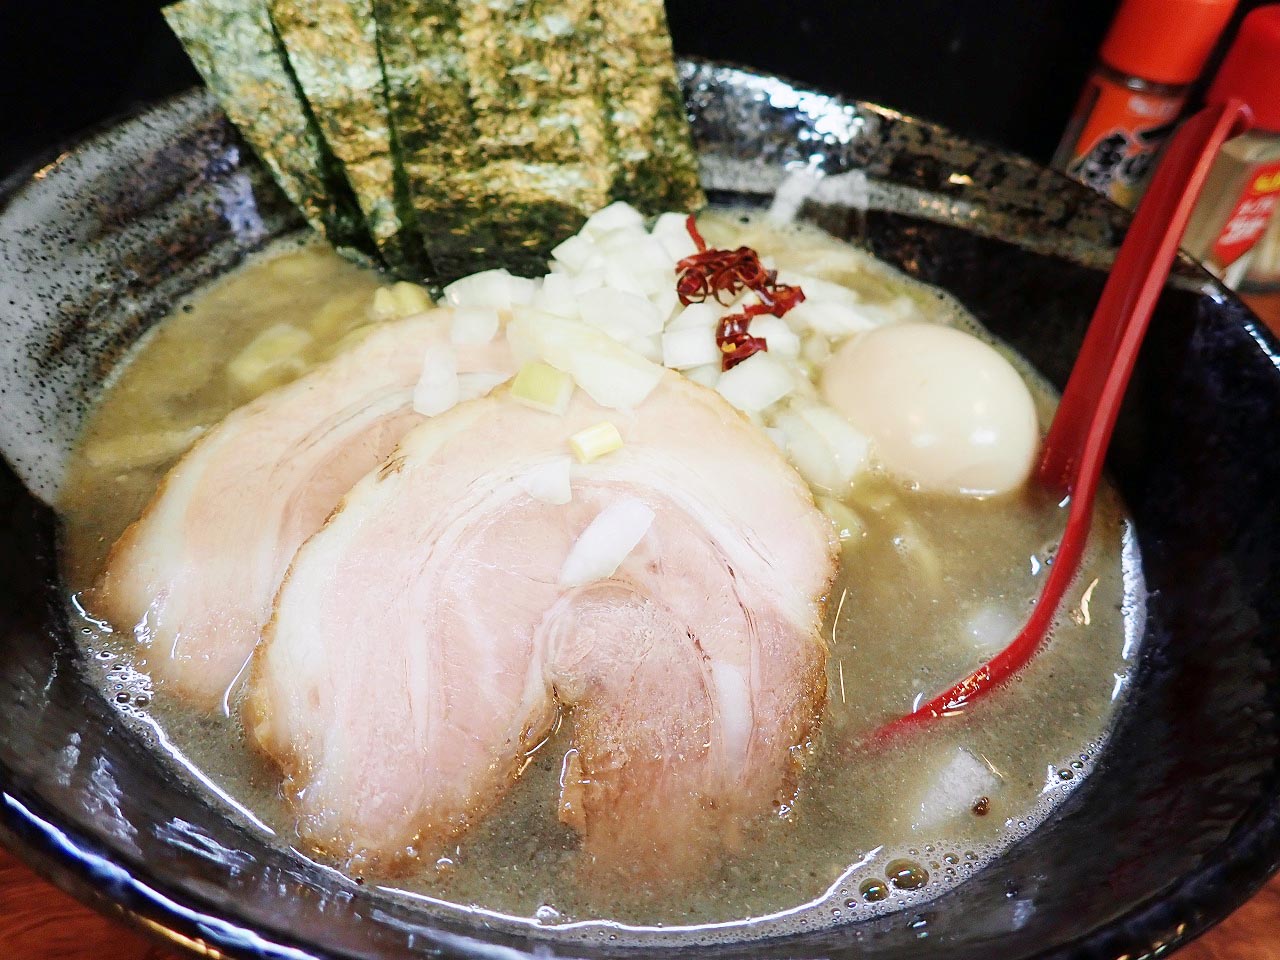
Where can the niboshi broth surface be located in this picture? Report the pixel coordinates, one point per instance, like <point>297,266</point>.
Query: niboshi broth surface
<point>929,586</point>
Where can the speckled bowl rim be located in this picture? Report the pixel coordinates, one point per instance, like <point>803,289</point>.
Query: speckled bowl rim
<point>86,869</point>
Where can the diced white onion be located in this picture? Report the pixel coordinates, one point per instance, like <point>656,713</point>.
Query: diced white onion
<point>837,319</point>
<point>670,223</point>
<point>666,299</point>
<point>826,449</point>
<point>671,230</point>
<point>612,375</point>
<point>990,629</point>
<point>473,325</point>
<point>733,709</point>
<point>615,216</point>
<point>704,314</point>
<point>949,790</point>
<point>557,296</point>
<point>523,290</point>
<point>678,247</point>
<point>708,375</point>
<point>778,437</point>
<point>606,542</point>
<point>642,254</point>
<point>592,279</point>
<point>690,347</point>
<point>781,339</point>
<point>479,383</point>
<point>612,309</point>
<point>549,481</point>
<point>757,382</point>
<point>819,290</point>
<point>488,288</point>
<point>620,277</point>
<point>849,446</point>
<point>437,389</point>
<point>648,347</point>
<point>613,240</point>
<point>809,452</point>
<point>575,253</point>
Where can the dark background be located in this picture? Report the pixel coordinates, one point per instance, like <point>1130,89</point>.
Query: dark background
<point>1006,71</point>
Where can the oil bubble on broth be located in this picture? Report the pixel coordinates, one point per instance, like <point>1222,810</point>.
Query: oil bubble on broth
<point>928,588</point>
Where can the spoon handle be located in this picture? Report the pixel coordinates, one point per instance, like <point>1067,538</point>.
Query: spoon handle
<point>1076,445</point>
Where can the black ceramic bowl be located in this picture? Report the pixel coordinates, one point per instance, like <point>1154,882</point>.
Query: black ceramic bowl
<point>1177,826</point>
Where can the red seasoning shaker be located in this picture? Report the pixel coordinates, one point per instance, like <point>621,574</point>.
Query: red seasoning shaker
<point>1153,52</point>
<point>1243,190</point>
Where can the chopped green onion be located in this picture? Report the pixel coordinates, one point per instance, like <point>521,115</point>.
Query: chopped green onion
<point>543,387</point>
<point>594,442</point>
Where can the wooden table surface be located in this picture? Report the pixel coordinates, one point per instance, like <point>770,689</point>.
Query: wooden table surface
<point>39,922</point>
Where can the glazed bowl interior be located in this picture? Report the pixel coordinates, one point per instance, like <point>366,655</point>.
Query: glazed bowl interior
<point>1177,825</point>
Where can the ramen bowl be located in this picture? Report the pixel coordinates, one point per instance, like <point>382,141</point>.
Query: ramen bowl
<point>1177,825</point>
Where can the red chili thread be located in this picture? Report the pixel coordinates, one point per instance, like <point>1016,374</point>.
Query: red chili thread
<point>723,274</point>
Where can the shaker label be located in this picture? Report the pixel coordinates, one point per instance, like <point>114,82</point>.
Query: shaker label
<point>1119,141</point>
<point>1250,216</point>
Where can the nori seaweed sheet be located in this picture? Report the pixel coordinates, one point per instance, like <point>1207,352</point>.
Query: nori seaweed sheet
<point>332,47</point>
<point>468,134</point>
<point>656,166</point>
<point>426,84</point>
<point>234,48</point>
<point>496,110</point>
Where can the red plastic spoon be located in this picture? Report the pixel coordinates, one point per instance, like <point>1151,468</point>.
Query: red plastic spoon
<point>1076,445</point>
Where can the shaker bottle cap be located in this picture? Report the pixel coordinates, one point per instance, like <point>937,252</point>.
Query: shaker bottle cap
<point>1165,41</point>
<point>1251,70</point>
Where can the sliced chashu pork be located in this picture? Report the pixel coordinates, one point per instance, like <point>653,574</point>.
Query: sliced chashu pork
<point>422,641</point>
<point>194,577</point>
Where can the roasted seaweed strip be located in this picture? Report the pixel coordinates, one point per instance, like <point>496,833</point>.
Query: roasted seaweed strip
<point>234,48</point>
<point>424,70</point>
<point>513,152</point>
<point>656,167</point>
<point>332,48</point>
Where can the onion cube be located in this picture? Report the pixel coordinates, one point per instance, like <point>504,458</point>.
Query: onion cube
<point>849,446</point>
<point>815,289</point>
<point>666,299</point>
<point>757,382</point>
<point>607,540</point>
<point>522,290</point>
<point>549,481</point>
<point>437,389</point>
<point>648,347</point>
<point>473,325</point>
<point>612,375</point>
<point>592,279</point>
<point>489,288</point>
<point>557,296</point>
<point>781,339</point>
<point>610,308</point>
<point>690,347</point>
<point>615,216</point>
<point>705,314</point>
<point>575,253</point>
<point>708,375</point>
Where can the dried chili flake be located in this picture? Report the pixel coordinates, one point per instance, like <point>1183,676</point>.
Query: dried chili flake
<point>722,275</point>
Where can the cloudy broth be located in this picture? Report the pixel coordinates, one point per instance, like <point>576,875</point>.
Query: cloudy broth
<point>930,587</point>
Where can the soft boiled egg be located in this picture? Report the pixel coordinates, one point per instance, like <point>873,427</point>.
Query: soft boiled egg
<point>943,410</point>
